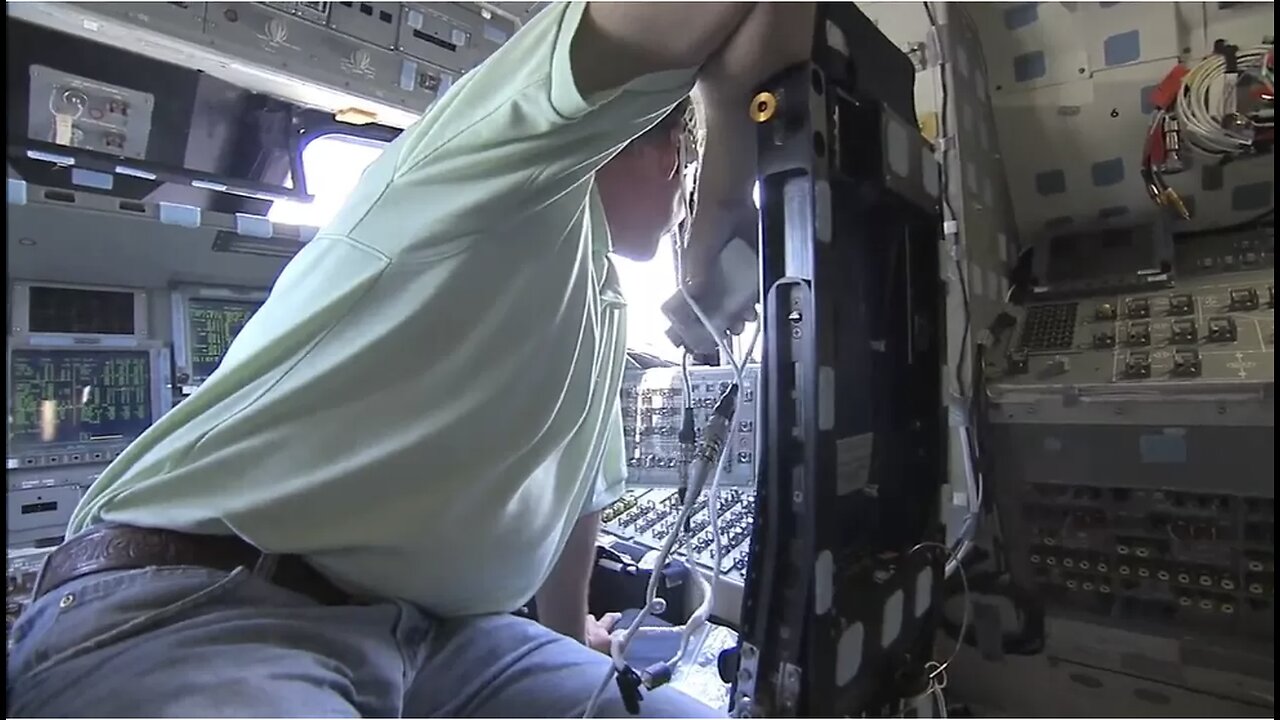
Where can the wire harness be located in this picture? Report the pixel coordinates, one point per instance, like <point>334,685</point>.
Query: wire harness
<point>1220,109</point>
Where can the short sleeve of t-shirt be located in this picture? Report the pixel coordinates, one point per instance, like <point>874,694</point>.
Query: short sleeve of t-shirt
<point>508,139</point>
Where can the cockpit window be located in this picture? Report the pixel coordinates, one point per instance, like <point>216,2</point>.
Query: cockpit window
<point>333,164</point>
<point>646,285</point>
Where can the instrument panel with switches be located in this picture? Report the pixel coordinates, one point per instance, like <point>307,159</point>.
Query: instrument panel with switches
<point>1197,561</point>
<point>647,517</point>
<point>1217,327</point>
<point>652,409</point>
<point>1132,444</point>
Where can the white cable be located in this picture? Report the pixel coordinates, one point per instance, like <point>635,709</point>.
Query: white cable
<point>703,613</point>
<point>700,617</point>
<point>964,621</point>
<point>1206,97</point>
<point>620,641</point>
<point>974,490</point>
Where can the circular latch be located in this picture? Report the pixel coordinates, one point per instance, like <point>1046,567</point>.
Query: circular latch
<point>763,106</point>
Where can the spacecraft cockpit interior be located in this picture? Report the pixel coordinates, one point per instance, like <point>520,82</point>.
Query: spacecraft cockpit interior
<point>1002,438</point>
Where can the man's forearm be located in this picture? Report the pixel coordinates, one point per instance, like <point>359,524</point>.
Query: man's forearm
<point>774,36</point>
<point>618,42</point>
<point>562,600</point>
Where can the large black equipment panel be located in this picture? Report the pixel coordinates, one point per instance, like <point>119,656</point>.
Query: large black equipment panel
<point>841,598</point>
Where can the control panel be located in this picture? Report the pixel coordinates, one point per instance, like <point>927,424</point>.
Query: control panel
<point>69,110</point>
<point>1218,328</point>
<point>1130,437</point>
<point>387,60</point>
<point>1138,555</point>
<point>72,409</point>
<point>647,517</point>
<point>1215,322</point>
<point>205,321</point>
<point>652,411</point>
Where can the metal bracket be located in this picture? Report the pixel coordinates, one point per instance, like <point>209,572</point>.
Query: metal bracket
<point>748,670</point>
<point>789,686</point>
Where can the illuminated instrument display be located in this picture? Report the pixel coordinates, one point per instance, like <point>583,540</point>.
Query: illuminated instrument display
<point>214,324</point>
<point>78,396</point>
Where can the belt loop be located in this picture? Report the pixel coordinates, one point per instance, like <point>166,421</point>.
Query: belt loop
<point>266,565</point>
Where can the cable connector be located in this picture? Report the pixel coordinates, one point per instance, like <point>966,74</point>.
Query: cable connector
<point>727,404</point>
<point>1170,198</point>
<point>656,675</point>
<point>1229,55</point>
<point>687,435</point>
<point>629,687</point>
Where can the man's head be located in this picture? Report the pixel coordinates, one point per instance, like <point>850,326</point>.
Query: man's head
<point>640,186</point>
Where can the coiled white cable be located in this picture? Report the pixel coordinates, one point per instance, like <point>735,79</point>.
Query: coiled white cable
<point>1205,99</point>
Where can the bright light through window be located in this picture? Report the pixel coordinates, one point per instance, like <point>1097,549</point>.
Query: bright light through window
<point>646,286</point>
<point>333,164</point>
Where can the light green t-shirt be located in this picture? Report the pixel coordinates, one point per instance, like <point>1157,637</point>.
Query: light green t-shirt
<point>428,400</point>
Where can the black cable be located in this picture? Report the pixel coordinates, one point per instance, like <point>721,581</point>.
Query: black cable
<point>1257,221</point>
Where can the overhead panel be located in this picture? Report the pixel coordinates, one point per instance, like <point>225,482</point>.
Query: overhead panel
<point>495,31</point>
<point>441,33</point>
<point>276,39</point>
<point>316,12</point>
<point>75,111</point>
<point>167,17</point>
<point>373,22</point>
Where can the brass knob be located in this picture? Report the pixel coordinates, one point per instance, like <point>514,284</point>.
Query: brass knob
<point>763,106</point>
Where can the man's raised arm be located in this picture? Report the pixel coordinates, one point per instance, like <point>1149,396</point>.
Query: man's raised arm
<point>618,42</point>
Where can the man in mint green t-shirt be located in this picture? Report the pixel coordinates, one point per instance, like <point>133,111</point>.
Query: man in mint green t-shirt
<point>415,434</point>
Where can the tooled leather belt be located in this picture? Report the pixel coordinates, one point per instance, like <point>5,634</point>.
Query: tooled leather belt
<point>110,547</point>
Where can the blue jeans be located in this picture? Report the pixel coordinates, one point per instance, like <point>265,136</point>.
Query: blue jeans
<point>194,642</point>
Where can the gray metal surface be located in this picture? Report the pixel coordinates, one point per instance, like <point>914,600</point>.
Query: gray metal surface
<point>1088,671</point>
<point>373,22</point>
<point>176,18</point>
<point>40,513</point>
<point>265,37</point>
<point>93,239</point>
<point>1070,84</point>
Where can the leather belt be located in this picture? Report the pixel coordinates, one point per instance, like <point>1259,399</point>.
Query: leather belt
<point>110,547</point>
